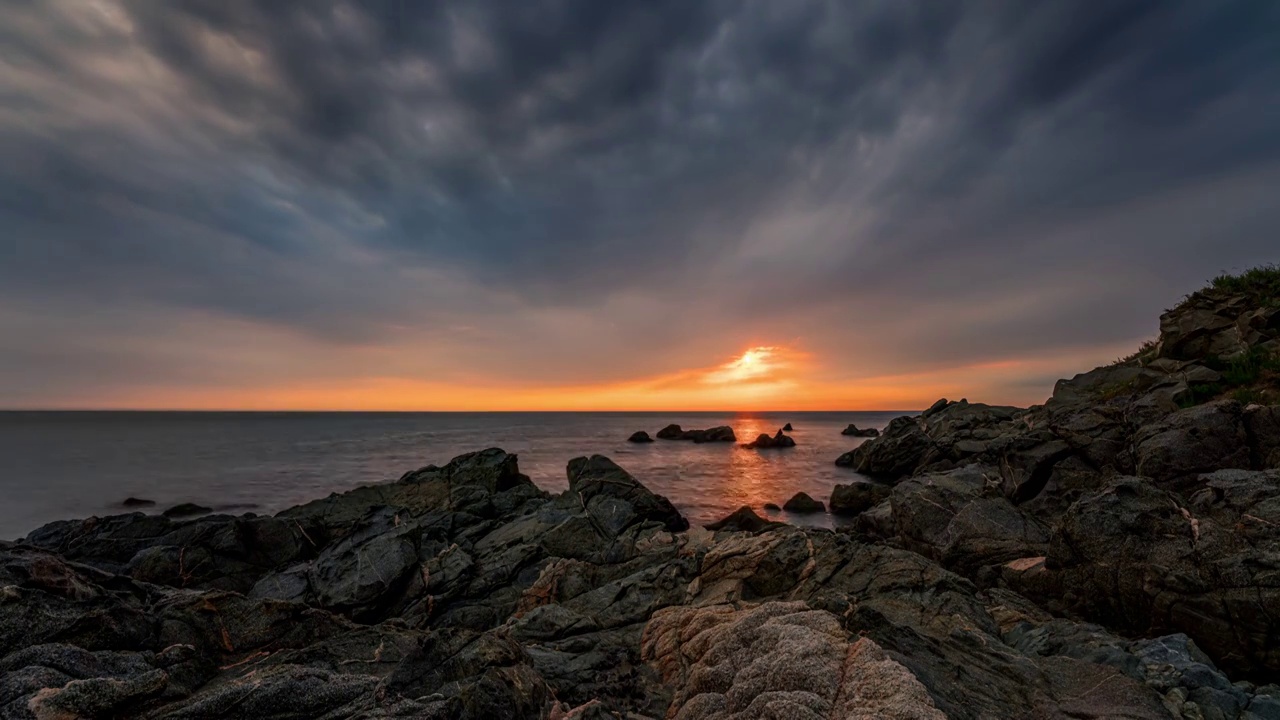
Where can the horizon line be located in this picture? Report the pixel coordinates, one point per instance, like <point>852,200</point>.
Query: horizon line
<point>402,411</point>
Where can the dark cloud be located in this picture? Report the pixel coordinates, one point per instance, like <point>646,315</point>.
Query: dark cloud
<point>686,175</point>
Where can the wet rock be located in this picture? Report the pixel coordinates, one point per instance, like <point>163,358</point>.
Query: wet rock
<point>858,497</point>
<point>772,506</point>
<point>640,436</point>
<point>744,519</point>
<point>186,510</point>
<point>133,502</point>
<point>802,503</point>
<point>855,431</point>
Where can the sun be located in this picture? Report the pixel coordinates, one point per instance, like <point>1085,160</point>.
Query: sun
<point>754,363</point>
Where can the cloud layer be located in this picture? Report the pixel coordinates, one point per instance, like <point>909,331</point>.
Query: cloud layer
<point>210,199</point>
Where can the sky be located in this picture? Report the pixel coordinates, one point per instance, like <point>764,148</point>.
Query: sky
<point>583,205</point>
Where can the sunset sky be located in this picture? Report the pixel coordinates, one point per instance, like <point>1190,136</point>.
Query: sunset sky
<point>576,204</point>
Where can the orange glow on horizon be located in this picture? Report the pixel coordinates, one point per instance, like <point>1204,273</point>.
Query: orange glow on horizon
<point>762,377</point>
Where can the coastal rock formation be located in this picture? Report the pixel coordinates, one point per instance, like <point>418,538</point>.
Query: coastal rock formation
<point>1112,553</point>
<point>802,503</point>
<point>720,433</point>
<point>186,510</point>
<point>640,436</point>
<point>855,431</point>
<point>787,427</point>
<point>856,498</point>
<point>778,440</point>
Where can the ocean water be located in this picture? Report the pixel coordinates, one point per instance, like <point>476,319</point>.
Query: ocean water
<point>59,465</point>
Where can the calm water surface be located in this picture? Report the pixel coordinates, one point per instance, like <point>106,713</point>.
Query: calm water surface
<point>57,465</point>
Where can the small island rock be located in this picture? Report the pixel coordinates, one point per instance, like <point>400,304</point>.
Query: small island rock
<point>187,510</point>
<point>772,507</point>
<point>777,441</point>
<point>787,427</point>
<point>802,503</point>
<point>137,502</point>
<point>671,432</point>
<point>640,436</point>
<point>855,431</point>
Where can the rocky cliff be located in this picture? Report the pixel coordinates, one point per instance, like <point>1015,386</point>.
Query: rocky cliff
<point>1113,553</point>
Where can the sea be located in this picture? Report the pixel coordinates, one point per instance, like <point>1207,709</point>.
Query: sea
<point>62,465</point>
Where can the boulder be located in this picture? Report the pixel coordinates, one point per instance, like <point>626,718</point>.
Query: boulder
<point>640,436</point>
<point>743,519</point>
<point>855,431</point>
<point>802,503</point>
<point>1192,441</point>
<point>598,482</point>
<point>855,498</point>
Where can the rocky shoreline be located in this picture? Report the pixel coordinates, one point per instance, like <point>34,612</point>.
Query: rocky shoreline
<point>1113,553</point>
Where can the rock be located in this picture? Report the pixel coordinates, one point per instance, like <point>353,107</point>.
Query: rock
<point>802,503</point>
<point>671,432</point>
<point>772,506</point>
<point>1142,560</point>
<point>1191,441</point>
<point>186,510</point>
<point>956,519</point>
<point>721,433</point>
<point>777,660</point>
<point>744,519</point>
<point>787,427</point>
<point>766,442</point>
<point>897,452</point>
<point>855,431</point>
<point>130,502</point>
<point>640,436</point>
<point>855,498</point>
<point>598,480</point>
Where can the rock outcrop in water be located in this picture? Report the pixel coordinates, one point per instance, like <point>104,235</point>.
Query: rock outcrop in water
<point>767,442</point>
<point>720,433</point>
<point>1110,554</point>
<point>855,431</point>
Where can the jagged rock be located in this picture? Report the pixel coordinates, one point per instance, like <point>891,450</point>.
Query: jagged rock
<point>855,498</point>
<point>764,441</point>
<point>802,503</point>
<point>1262,424</point>
<point>1191,441</point>
<point>599,482</point>
<point>855,431</point>
<point>1140,559</point>
<point>959,519</point>
<point>640,436</point>
<point>744,519</point>
<point>787,427</point>
<point>186,510</point>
